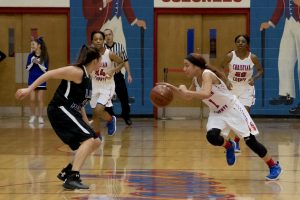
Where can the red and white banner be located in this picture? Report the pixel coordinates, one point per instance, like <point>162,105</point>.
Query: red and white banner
<point>202,3</point>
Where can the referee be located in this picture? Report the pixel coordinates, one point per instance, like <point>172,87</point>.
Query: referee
<point>121,88</point>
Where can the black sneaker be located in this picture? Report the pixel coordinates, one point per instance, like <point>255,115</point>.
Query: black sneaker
<point>295,110</point>
<point>128,121</point>
<point>286,100</point>
<point>65,172</point>
<point>73,182</point>
<point>62,175</point>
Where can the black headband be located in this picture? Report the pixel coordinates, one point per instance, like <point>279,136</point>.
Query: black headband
<point>195,61</point>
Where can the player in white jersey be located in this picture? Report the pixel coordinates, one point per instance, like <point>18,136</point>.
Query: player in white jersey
<point>104,84</point>
<point>239,66</point>
<point>226,112</point>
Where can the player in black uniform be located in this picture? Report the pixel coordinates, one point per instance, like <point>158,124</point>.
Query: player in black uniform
<point>66,111</point>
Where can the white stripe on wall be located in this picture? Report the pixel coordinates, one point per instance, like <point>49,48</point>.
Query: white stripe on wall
<point>74,119</point>
<point>202,4</point>
<point>35,3</point>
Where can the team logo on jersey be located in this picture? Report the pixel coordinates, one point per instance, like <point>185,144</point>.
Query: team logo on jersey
<point>241,67</point>
<point>100,75</point>
<point>103,64</point>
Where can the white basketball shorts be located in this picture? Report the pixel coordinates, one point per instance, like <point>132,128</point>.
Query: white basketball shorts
<point>244,93</point>
<point>102,93</point>
<point>235,118</point>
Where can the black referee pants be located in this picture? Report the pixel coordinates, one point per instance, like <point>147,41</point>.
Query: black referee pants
<point>122,93</point>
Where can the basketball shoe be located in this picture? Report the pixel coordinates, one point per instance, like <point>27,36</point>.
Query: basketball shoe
<point>32,119</point>
<point>286,100</point>
<point>73,182</point>
<point>41,120</point>
<point>112,126</point>
<point>295,110</point>
<point>128,121</point>
<point>65,172</point>
<point>237,148</point>
<point>275,172</point>
<point>230,156</point>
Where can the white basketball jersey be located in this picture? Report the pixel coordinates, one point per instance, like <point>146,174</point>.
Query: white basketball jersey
<point>105,66</point>
<point>221,98</point>
<point>240,71</point>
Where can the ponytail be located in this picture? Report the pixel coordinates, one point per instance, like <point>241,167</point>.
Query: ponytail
<point>220,75</point>
<point>44,52</point>
<point>197,60</point>
<point>87,55</point>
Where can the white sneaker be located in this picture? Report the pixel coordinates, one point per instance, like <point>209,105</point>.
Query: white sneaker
<point>31,125</point>
<point>41,120</point>
<point>31,120</point>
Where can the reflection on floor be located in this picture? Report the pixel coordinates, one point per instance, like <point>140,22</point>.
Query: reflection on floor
<point>150,160</point>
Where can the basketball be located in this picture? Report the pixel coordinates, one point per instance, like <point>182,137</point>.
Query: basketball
<point>161,96</point>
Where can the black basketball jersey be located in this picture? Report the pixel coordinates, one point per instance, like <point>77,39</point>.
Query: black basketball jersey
<point>73,96</point>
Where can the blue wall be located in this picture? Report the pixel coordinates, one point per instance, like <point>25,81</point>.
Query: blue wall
<point>143,10</point>
<point>261,11</point>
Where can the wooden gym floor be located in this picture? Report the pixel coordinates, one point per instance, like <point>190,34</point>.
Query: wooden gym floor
<point>151,160</point>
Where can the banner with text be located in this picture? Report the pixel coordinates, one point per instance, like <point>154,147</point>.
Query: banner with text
<point>202,3</point>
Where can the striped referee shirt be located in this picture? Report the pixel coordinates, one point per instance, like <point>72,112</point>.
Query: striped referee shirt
<point>118,49</point>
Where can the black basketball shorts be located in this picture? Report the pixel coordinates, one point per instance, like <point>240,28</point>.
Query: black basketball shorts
<point>69,127</point>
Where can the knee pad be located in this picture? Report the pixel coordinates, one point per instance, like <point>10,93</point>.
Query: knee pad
<point>214,137</point>
<point>255,146</point>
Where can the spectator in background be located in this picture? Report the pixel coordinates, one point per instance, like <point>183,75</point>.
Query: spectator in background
<point>37,65</point>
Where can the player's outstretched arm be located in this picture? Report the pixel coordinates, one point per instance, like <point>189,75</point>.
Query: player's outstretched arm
<point>69,73</point>
<point>181,90</point>
<point>187,94</point>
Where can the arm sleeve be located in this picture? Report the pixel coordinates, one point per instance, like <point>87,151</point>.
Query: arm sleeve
<point>29,63</point>
<point>128,11</point>
<point>44,67</point>
<point>90,8</point>
<point>47,65</point>
<point>278,12</point>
